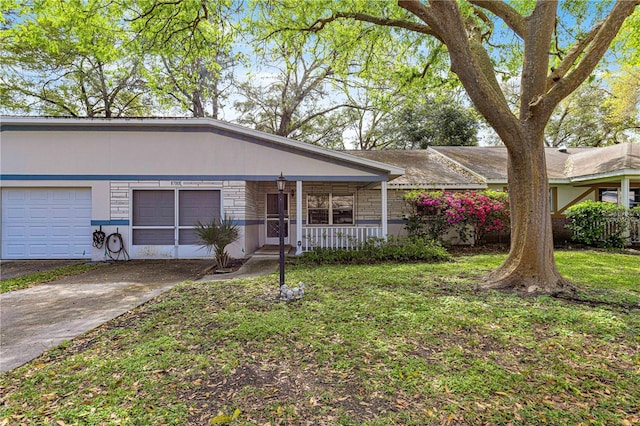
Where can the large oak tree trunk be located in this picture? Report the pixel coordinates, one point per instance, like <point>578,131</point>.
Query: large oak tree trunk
<point>530,266</point>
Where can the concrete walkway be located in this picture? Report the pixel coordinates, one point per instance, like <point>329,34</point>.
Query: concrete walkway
<point>39,318</point>
<point>254,267</point>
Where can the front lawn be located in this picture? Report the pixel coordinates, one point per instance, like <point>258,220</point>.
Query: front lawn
<point>374,344</point>
<point>41,277</point>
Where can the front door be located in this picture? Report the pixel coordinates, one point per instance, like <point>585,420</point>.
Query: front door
<point>273,218</point>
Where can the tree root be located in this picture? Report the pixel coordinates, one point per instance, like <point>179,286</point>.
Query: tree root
<point>562,290</point>
<point>598,303</point>
<point>529,287</point>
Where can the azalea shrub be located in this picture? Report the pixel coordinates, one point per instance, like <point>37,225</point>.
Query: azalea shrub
<point>470,213</point>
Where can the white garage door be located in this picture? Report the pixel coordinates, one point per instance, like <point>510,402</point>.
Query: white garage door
<point>46,223</point>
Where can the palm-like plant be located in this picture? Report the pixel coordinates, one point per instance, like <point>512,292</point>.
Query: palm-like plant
<point>216,236</point>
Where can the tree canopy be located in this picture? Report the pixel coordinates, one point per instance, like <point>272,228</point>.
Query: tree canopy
<point>86,58</point>
<point>548,48</point>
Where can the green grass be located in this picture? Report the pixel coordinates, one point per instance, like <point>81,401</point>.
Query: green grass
<point>30,280</point>
<point>376,344</point>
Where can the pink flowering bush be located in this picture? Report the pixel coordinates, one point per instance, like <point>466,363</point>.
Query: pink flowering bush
<point>435,213</point>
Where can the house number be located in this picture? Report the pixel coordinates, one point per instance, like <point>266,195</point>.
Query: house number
<point>176,183</point>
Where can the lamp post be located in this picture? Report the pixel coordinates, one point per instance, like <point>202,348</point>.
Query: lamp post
<point>281,182</point>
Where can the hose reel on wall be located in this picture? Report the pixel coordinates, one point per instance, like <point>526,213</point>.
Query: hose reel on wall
<point>113,244</point>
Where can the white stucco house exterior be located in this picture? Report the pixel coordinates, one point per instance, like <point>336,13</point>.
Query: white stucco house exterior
<point>148,180</point>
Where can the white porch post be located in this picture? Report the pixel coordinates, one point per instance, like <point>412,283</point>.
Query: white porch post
<point>383,191</point>
<point>625,187</point>
<point>298,217</point>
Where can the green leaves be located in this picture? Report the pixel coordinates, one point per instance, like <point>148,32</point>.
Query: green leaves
<point>70,58</point>
<point>216,236</point>
<point>224,419</point>
<point>598,224</point>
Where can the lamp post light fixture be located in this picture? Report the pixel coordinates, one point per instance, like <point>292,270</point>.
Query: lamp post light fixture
<point>281,184</point>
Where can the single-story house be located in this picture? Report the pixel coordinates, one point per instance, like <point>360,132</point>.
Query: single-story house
<point>575,174</point>
<point>148,181</point>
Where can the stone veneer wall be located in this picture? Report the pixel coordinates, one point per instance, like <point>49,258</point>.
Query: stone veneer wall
<point>254,201</point>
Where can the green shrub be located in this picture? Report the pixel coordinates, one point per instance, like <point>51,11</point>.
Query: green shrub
<point>400,249</point>
<point>216,236</point>
<point>598,224</point>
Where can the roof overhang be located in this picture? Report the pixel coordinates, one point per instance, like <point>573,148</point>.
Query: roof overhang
<point>630,173</point>
<point>435,186</point>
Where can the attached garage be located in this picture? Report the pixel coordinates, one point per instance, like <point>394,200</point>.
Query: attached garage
<point>144,183</point>
<point>46,223</point>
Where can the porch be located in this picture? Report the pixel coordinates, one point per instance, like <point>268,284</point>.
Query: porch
<point>341,237</point>
<point>317,214</point>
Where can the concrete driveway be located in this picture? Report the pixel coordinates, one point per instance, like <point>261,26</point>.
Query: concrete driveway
<point>41,317</point>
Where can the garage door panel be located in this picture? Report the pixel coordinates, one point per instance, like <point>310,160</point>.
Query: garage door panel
<point>17,231</point>
<point>41,223</point>
<point>62,213</point>
<point>38,213</point>
<point>15,251</point>
<point>35,195</point>
<point>83,196</point>
<point>62,196</point>
<point>37,250</point>
<point>16,196</point>
<point>81,214</point>
<point>61,231</point>
<point>15,212</point>
<point>35,231</point>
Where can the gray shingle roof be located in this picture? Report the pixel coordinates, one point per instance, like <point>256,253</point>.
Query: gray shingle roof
<point>423,168</point>
<point>464,166</point>
<point>570,163</point>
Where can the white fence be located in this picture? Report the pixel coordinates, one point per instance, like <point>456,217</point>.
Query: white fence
<point>342,237</point>
<point>634,230</point>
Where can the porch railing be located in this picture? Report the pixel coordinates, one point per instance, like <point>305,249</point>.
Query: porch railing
<point>614,228</point>
<point>338,237</point>
<point>634,230</point>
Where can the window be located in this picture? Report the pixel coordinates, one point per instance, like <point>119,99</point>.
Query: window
<point>553,199</point>
<point>330,209</point>
<point>155,221</point>
<point>634,197</point>
<point>610,195</point>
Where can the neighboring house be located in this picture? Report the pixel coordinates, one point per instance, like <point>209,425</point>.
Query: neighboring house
<point>150,180</point>
<point>575,174</point>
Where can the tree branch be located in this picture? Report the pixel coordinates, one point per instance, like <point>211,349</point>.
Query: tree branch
<point>606,32</point>
<point>319,24</point>
<point>569,60</point>
<point>470,61</point>
<point>508,14</point>
<point>541,25</point>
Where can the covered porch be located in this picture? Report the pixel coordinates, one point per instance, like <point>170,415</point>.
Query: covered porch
<point>317,214</point>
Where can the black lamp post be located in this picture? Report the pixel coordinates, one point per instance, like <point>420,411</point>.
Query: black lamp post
<point>281,181</point>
